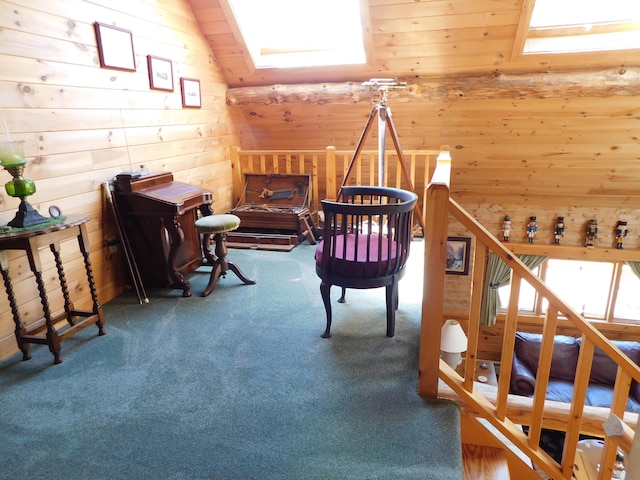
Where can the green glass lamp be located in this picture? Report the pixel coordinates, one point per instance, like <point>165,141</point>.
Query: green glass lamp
<point>12,159</point>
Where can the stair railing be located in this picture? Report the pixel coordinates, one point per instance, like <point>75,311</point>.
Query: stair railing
<point>503,411</point>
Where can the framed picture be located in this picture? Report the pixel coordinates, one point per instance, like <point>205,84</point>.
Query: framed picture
<point>190,92</point>
<point>160,73</point>
<point>458,251</point>
<point>115,47</point>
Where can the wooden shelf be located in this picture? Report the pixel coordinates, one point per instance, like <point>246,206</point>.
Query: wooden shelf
<point>575,253</point>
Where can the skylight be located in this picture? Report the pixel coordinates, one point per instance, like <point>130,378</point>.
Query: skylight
<point>583,26</point>
<point>301,33</point>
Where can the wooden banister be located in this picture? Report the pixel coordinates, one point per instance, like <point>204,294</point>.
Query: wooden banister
<point>502,410</point>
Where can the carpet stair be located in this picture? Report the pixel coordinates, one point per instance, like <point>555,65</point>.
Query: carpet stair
<point>484,463</point>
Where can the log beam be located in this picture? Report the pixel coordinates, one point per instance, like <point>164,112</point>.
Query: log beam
<point>602,83</point>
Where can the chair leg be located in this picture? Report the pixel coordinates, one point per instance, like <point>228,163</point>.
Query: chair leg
<point>342,299</point>
<point>325,290</point>
<point>239,273</point>
<point>392,303</point>
<point>220,264</point>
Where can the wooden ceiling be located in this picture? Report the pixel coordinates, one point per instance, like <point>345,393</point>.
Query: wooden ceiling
<point>410,39</point>
<point>559,130</point>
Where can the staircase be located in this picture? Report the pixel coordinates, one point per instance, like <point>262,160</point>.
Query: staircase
<point>488,455</point>
<point>506,413</point>
<point>480,462</point>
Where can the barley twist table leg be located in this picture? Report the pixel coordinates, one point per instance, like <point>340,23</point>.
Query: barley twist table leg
<point>23,346</point>
<point>53,339</point>
<point>68,306</point>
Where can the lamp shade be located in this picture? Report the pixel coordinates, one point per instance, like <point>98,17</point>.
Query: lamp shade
<point>452,337</point>
<point>444,155</point>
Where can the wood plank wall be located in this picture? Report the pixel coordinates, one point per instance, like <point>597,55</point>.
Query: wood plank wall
<point>83,124</point>
<point>574,153</point>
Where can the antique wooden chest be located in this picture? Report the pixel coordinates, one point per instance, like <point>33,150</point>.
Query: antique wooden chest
<point>273,210</point>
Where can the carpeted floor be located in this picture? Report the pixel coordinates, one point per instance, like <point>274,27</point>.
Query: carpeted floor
<point>238,385</point>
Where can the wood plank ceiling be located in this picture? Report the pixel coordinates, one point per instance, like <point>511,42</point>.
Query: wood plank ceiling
<point>410,39</point>
<point>500,111</point>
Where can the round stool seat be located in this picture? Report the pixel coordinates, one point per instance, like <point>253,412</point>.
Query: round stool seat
<point>213,224</point>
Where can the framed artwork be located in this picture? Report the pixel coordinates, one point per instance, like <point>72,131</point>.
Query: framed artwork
<point>190,92</point>
<point>160,73</point>
<point>115,47</point>
<point>458,251</point>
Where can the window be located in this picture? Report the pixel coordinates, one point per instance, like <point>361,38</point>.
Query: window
<point>588,287</point>
<point>554,26</point>
<point>300,33</point>
<point>627,303</point>
<point>527,298</point>
<point>584,286</point>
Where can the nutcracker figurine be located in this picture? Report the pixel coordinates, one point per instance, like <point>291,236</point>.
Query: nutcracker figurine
<point>532,228</point>
<point>591,233</point>
<point>558,230</point>
<point>506,228</point>
<point>621,232</point>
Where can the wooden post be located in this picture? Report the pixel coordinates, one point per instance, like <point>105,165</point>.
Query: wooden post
<point>315,201</point>
<point>475,305</point>
<point>236,171</point>
<point>331,173</point>
<point>436,218</point>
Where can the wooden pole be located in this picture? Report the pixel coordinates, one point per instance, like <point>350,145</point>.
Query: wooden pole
<point>436,216</point>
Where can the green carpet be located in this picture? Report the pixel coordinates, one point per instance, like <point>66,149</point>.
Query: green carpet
<point>238,385</point>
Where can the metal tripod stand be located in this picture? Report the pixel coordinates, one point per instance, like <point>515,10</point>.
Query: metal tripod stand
<point>385,120</point>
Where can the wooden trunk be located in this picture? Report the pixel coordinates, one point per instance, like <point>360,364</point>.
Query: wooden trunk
<point>273,212</point>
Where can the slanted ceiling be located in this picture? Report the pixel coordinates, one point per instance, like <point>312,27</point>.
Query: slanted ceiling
<point>410,39</point>
<point>563,130</point>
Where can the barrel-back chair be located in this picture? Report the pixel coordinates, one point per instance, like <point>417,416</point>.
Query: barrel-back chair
<point>365,244</point>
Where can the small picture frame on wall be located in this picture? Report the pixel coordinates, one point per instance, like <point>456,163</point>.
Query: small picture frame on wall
<point>457,259</point>
<point>160,73</point>
<point>115,47</point>
<point>190,93</point>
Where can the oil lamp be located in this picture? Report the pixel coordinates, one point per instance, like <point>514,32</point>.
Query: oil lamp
<point>12,159</point>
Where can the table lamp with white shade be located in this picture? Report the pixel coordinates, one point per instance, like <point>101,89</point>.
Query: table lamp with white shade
<point>453,342</point>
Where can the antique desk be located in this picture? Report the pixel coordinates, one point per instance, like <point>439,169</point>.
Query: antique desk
<point>32,241</point>
<point>159,217</point>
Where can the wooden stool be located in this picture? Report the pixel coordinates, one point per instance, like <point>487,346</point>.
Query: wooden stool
<point>218,226</point>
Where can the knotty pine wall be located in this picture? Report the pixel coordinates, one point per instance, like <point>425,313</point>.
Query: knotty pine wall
<point>83,124</point>
<point>574,152</point>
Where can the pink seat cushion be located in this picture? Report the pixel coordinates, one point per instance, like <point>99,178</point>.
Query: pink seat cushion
<point>346,264</point>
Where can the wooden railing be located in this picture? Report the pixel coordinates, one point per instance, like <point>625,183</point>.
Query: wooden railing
<point>328,169</point>
<point>505,412</point>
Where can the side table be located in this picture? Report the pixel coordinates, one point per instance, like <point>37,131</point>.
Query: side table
<point>32,241</point>
<point>485,372</point>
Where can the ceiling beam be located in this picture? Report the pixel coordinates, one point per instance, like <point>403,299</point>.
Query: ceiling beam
<point>601,83</point>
